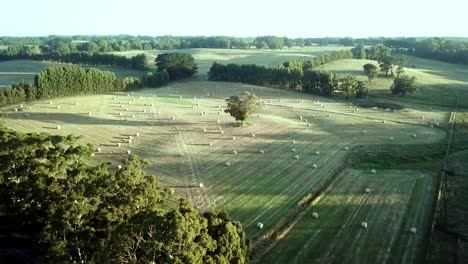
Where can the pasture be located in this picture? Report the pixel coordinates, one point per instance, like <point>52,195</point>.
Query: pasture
<point>188,139</point>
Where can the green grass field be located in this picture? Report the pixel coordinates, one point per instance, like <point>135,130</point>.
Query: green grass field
<point>189,139</point>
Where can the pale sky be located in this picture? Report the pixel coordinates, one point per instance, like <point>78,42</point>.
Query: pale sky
<point>291,18</point>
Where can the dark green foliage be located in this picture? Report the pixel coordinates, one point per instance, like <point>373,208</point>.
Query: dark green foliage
<point>73,80</point>
<point>359,52</point>
<point>81,213</point>
<point>334,56</point>
<point>371,71</point>
<point>271,42</point>
<point>155,79</point>
<point>241,107</point>
<point>403,84</point>
<point>177,65</point>
<point>179,236</point>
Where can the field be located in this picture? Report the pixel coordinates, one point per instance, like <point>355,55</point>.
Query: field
<point>195,148</point>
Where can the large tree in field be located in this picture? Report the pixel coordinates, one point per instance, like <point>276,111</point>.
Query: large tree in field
<point>348,85</point>
<point>403,84</point>
<point>241,107</point>
<point>371,72</point>
<point>177,65</point>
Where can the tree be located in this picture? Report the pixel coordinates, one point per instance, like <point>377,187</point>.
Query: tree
<point>241,107</point>
<point>348,85</point>
<point>359,52</point>
<point>177,65</point>
<point>403,84</point>
<point>371,72</point>
<point>386,65</point>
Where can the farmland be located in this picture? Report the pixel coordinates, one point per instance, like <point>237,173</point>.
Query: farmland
<point>306,141</point>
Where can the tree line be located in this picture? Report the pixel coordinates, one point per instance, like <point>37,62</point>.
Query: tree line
<point>76,212</point>
<point>58,81</point>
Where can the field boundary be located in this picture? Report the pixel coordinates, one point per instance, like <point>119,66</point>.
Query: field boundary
<point>263,244</point>
<point>441,187</point>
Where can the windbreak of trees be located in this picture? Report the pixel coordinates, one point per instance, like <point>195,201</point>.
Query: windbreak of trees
<point>295,76</point>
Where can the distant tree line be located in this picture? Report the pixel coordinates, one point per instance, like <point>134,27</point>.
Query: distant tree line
<point>432,48</point>
<point>78,211</point>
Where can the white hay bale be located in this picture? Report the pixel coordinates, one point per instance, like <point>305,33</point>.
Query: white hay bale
<point>50,102</point>
<point>92,154</point>
<point>218,121</point>
<point>422,117</point>
<point>437,123</point>
<point>129,152</point>
<point>152,104</point>
<point>364,224</point>
<point>133,116</point>
<point>20,106</point>
<point>293,141</point>
<point>16,110</point>
<point>368,190</point>
<point>233,138</point>
<point>315,215</point>
<point>219,106</point>
<point>234,152</point>
<point>58,107</point>
<point>113,98</point>
<point>173,118</point>
<point>180,132</point>
<point>253,135</point>
<point>346,148</point>
<point>414,135</point>
<point>144,110</point>
<point>364,131</point>
<point>296,157</point>
<point>300,117</point>
<point>180,96</point>
<point>57,127</point>
<point>120,167</point>
<point>262,151</point>
<point>121,106</point>
<point>129,141</point>
<point>201,114</point>
<point>126,109</point>
<point>228,163</point>
<point>357,110</point>
<point>293,150</point>
<point>89,113</point>
<point>350,107</point>
<point>119,145</point>
<point>130,137</point>
<point>137,134</point>
<point>259,225</point>
<point>413,230</point>
<point>302,101</point>
<point>314,166</point>
<point>373,171</point>
<point>210,144</point>
<point>329,115</point>
<point>204,130</point>
<point>204,113</point>
<point>120,114</point>
<point>309,125</point>
<point>201,185</point>
<point>317,153</point>
<point>99,149</point>
<point>132,93</point>
<point>222,131</point>
<point>313,115</point>
<point>128,94</point>
<point>391,138</point>
<point>171,191</point>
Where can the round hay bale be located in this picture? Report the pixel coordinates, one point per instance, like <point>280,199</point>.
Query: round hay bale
<point>391,138</point>
<point>233,138</point>
<point>422,117</point>
<point>119,166</point>
<point>218,121</point>
<point>296,157</point>
<point>228,163</point>
<point>57,127</point>
<point>204,130</point>
<point>317,153</point>
<point>137,134</point>
<point>180,96</point>
<point>119,145</point>
<point>89,113</point>
<point>364,131</point>
<point>222,131</point>
<point>121,106</point>
<point>259,225</point>
<point>314,166</point>
<point>133,116</point>
<point>293,150</point>
<point>293,141</point>
<point>50,102</point>
<point>20,106</point>
<point>364,224</point>
<point>130,137</point>
<point>92,154</point>
<point>346,148</point>
<point>329,115</point>
<point>113,98</point>
<point>253,135</point>
<point>200,185</point>
<point>58,107</point>
<point>315,215</point>
<point>171,190</point>
<point>99,149</point>
<point>16,109</point>
<point>126,109</point>
<point>414,135</point>
<point>201,114</point>
<point>262,151</point>
<point>309,125</point>
<point>210,144</point>
<point>413,230</point>
<point>373,171</point>
<point>173,118</point>
<point>144,110</point>
<point>300,117</point>
<point>129,152</point>
<point>129,141</point>
<point>234,152</point>
<point>368,190</point>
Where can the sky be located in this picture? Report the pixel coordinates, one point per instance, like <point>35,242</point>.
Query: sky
<point>244,18</point>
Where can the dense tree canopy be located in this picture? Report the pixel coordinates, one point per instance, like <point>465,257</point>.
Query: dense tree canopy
<point>403,84</point>
<point>82,213</point>
<point>177,65</point>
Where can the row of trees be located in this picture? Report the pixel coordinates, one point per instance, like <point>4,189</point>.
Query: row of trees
<point>76,212</point>
<point>294,77</point>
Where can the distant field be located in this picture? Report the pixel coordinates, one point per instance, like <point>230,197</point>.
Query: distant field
<point>15,71</point>
<point>205,57</point>
<point>438,83</point>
